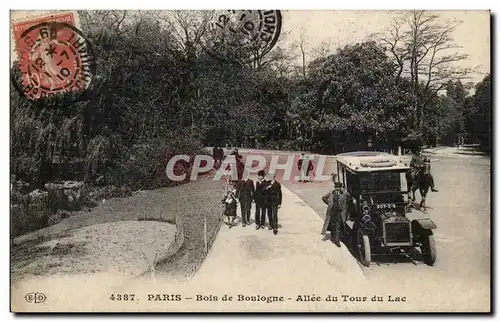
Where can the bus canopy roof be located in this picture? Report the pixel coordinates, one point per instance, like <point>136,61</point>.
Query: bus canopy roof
<point>369,161</point>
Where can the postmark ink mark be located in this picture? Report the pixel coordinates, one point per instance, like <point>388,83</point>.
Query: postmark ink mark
<point>243,35</point>
<point>53,58</point>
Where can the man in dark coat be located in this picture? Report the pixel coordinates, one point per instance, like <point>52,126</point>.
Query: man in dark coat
<point>216,156</point>
<point>259,198</point>
<point>245,193</point>
<point>273,202</point>
<point>336,213</point>
<point>240,168</point>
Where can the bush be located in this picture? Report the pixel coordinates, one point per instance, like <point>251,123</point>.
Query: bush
<point>144,166</point>
<point>97,194</point>
<point>140,167</point>
<point>67,195</point>
<point>29,212</point>
<point>273,145</point>
<point>290,145</point>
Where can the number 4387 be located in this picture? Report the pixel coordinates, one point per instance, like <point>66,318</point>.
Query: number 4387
<point>122,297</point>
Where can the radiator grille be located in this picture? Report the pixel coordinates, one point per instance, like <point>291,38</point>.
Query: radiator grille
<point>397,232</point>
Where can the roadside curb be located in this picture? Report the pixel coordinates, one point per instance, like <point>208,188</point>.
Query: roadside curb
<point>179,242</point>
<point>353,265</point>
<point>210,243</point>
<point>171,251</point>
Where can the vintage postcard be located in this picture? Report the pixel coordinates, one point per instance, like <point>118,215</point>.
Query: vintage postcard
<point>250,161</point>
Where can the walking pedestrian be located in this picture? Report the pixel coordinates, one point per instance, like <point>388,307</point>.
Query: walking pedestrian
<point>217,157</point>
<point>240,169</point>
<point>259,198</point>
<point>300,161</point>
<point>336,213</point>
<point>305,166</point>
<point>245,193</point>
<point>273,202</point>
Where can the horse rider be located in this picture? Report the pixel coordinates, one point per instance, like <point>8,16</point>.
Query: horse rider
<point>422,163</point>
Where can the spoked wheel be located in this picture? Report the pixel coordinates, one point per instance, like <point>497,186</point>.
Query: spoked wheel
<point>428,249</point>
<point>364,248</point>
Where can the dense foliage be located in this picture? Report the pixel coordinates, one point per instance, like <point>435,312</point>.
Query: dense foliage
<point>157,93</point>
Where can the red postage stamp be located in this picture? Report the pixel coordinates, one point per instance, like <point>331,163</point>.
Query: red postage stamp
<point>53,56</point>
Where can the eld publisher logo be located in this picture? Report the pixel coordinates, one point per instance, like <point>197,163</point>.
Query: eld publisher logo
<point>35,297</point>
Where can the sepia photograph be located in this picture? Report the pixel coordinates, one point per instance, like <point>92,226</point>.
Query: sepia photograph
<point>243,161</point>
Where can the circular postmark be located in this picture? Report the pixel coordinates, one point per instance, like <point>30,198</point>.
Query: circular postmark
<point>53,58</point>
<point>243,35</point>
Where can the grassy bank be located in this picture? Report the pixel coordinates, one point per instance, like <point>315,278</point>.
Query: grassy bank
<point>193,201</point>
<point>200,202</point>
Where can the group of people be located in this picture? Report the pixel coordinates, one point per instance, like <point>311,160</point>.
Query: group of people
<point>265,194</point>
<point>218,155</point>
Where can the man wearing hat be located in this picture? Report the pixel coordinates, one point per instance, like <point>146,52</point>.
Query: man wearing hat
<point>273,202</point>
<point>336,213</point>
<point>260,200</point>
<point>245,193</point>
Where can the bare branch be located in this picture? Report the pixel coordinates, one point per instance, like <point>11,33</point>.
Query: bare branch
<point>121,20</point>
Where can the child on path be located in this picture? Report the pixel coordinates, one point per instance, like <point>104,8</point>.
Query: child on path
<point>230,202</point>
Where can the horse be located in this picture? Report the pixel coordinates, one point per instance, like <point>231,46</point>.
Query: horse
<point>419,178</point>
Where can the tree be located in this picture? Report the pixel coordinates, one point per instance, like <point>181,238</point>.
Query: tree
<point>456,97</point>
<point>301,44</point>
<point>324,49</point>
<point>188,28</point>
<point>358,98</point>
<point>422,47</point>
<point>281,61</point>
<point>479,115</point>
